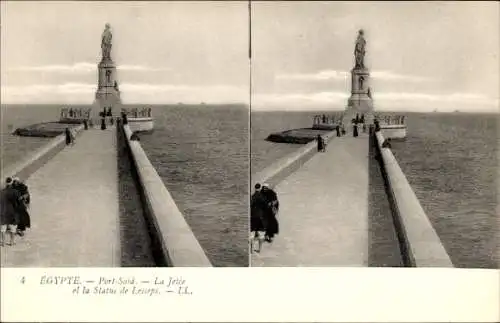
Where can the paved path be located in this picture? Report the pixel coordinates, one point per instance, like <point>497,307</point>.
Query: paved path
<point>75,210</point>
<point>323,210</point>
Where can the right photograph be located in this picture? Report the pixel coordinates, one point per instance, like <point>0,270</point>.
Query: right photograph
<point>373,134</point>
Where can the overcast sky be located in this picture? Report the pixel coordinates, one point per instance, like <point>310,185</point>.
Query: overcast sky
<point>422,56</point>
<point>166,52</point>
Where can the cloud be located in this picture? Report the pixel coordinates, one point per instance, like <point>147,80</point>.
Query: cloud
<point>326,75</point>
<point>83,68</point>
<point>130,93</point>
<point>320,76</point>
<point>390,76</point>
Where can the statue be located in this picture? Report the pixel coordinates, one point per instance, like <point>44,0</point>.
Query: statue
<point>359,50</point>
<point>106,42</point>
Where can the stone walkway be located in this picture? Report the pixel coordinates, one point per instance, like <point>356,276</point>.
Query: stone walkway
<point>324,210</point>
<point>75,210</point>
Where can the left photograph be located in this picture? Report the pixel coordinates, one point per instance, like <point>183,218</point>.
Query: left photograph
<point>124,134</point>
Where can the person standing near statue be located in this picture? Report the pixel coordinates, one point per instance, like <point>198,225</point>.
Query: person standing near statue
<point>103,123</point>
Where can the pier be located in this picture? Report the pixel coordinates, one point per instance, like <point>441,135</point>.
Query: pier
<point>324,210</point>
<point>78,191</point>
<point>74,208</point>
<point>329,213</point>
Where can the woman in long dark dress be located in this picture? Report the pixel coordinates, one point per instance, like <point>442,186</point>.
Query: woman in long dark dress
<point>321,144</point>
<point>68,136</point>
<point>337,128</point>
<point>22,206</point>
<point>272,207</point>
<point>257,218</point>
<point>355,132</point>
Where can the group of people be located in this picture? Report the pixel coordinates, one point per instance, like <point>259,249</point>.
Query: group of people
<point>264,207</point>
<point>14,216</point>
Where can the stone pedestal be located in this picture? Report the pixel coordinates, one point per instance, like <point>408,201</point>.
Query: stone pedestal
<point>360,101</point>
<point>107,94</point>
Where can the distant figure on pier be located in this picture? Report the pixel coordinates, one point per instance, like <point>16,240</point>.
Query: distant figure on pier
<point>355,130</point>
<point>124,118</point>
<point>22,207</point>
<point>67,134</point>
<point>85,124</point>
<point>270,212</point>
<point>321,143</point>
<point>9,217</point>
<point>377,125</point>
<point>134,137</point>
<point>337,128</point>
<point>387,143</point>
<point>257,218</point>
<point>103,124</point>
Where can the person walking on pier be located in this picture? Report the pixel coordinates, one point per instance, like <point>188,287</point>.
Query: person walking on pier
<point>321,144</point>
<point>103,123</point>
<point>9,218</point>
<point>270,212</point>
<point>23,205</point>
<point>257,219</point>
<point>355,130</point>
<point>337,128</point>
<point>67,134</point>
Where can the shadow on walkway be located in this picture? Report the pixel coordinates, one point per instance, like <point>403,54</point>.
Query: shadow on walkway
<point>384,250</point>
<point>134,235</point>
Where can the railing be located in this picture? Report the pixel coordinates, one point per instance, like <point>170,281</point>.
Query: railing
<point>73,113</point>
<point>391,120</point>
<point>138,113</point>
<point>419,242</point>
<point>283,167</point>
<point>37,159</point>
<point>171,235</point>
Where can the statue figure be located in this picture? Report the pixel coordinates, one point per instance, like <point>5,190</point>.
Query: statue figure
<point>361,81</point>
<point>359,50</point>
<point>106,42</point>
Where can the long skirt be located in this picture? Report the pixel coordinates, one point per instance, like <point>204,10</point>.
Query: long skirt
<point>272,227</point>
<point>24,218</point>
<point>355,132</point>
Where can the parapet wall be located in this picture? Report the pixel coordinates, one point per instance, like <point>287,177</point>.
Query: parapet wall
<point>170,232</point>
<point>420,242</point>
<point>35,161</point>
<point>285,166</point>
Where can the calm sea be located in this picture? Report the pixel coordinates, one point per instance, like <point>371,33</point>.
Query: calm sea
<point>451,162</point>
<point>200,152</point>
